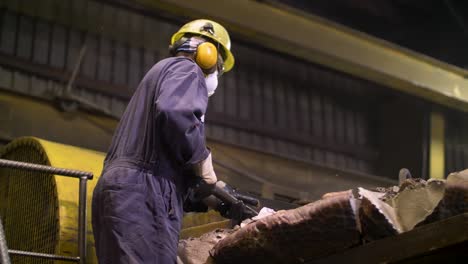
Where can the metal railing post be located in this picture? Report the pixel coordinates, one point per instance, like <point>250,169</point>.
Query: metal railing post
<point>4,257</point>
<point>82,230</point>
<point>82,192</point>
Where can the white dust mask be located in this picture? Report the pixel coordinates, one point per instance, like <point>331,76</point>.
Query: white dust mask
<point>211,81</point>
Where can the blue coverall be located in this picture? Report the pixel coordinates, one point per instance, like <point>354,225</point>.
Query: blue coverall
<point>137,204</point>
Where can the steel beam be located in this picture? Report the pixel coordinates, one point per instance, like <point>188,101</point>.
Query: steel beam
<point>319,41</point>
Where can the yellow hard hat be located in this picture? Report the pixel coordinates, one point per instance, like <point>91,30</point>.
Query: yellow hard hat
<point>211,30</point>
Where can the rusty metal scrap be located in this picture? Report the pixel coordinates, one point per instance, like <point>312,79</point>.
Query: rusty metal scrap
<point>197,250</point>
<point>313,230</point>
<point>335,223</point>
<point>455,200</point>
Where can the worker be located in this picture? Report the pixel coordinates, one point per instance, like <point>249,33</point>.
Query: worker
<point>159,149</point>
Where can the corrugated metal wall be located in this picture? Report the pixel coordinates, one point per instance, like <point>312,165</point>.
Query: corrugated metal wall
<point>456,142</point>
<point>269,102</point>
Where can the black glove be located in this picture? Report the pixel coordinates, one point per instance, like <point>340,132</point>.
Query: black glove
<point>222,198</point>
<point>248,200</point>
<point>196,193</point>
<point>237,212</point>
<point>195,206</point>
<point>233,204</point>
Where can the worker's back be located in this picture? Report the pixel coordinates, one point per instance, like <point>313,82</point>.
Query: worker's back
<point>137,138</point>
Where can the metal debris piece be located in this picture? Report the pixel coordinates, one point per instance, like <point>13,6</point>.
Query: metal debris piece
<point>455,199</point>
<point>197,250</point>
<point>404,175</point>
<point>413,205</point>
<point>295,235</point>
<point>339,221</point>
<point>377,218</point>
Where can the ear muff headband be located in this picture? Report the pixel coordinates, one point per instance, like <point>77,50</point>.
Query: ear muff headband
<point>206,56</point>
<point>173,48</point>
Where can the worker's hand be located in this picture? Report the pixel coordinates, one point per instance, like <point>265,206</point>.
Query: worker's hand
<point>197,199</point>
<point>249,200</point>
<point>205,170</point>
<point>237,212</point>
<point>194,206</point>
<point>195,195</point>
<point>200,190</point>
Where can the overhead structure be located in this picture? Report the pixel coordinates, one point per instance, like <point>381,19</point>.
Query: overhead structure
<point>316,40</point>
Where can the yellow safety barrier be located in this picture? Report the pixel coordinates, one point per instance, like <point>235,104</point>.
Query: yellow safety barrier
<point>40,211</point>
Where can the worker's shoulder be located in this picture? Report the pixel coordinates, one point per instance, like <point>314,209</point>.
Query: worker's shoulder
<point>173,66</point>
<point>179,64</point>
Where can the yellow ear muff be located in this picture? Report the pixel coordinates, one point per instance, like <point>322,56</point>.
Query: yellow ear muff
<point>206,56</point>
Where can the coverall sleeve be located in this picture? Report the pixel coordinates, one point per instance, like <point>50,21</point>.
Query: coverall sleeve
<point>180,107</point>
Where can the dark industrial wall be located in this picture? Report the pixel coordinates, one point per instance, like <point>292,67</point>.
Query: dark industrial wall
<point>456,142</point>
<point>269,102</point>
<point>403,141</point>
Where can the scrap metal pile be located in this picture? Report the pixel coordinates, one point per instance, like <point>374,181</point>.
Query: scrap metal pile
<point>336,222</point>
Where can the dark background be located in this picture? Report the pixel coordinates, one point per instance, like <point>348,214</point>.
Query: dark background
<point>437,28</point>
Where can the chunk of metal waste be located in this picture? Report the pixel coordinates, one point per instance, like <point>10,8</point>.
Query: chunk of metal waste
<point>197,250</point>
<point>339,221</point>
<point>455,199</point>
<point>377,218</point>
<point>295,235</point>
